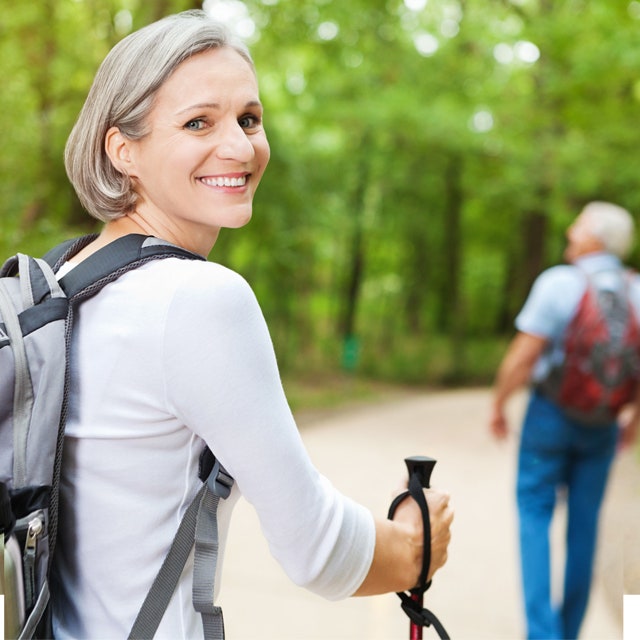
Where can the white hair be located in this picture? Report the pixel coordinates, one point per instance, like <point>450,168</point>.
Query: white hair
<point>612,225</point>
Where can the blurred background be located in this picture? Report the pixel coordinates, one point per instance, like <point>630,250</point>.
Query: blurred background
<point>427,156</point>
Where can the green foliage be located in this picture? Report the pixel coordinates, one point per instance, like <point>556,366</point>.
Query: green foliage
<point>425,162</point>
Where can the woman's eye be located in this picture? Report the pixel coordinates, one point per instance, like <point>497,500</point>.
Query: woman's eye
<point>249,121</point>
<point>195,125</point>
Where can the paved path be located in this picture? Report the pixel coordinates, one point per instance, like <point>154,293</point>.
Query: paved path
<point>476,595</point>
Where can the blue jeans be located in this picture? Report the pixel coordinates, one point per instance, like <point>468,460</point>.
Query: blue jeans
<point>557,452</point>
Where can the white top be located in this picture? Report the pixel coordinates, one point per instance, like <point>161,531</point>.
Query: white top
<point>171,354</point>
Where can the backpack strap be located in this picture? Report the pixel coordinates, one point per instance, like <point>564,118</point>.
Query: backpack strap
<point>198,524</point>
<point>159,595</point>
<point>218,485</point>
<point>67,249</point>
<point>110,262</point>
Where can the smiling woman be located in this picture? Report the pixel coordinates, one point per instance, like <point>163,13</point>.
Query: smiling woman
<point>173,360</point>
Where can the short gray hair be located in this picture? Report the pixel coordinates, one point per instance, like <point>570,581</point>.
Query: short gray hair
<point>612,225</point>
<point>122,95</point>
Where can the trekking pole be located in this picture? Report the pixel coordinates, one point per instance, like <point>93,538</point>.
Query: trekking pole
<point>419,468</point>
<point>422,467</point>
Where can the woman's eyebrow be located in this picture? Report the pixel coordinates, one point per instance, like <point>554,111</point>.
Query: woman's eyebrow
<point>215,105</point>
<point>200,105</point>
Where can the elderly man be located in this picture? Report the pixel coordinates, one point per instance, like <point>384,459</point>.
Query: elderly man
<point>560,449</point>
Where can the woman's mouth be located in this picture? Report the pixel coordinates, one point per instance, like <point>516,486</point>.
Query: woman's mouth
<point>225,181</point>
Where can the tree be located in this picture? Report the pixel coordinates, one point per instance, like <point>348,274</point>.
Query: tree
<point>426,157</point>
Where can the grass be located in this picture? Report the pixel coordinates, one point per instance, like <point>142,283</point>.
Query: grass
<point>314,374</point>
<point>326,392</point>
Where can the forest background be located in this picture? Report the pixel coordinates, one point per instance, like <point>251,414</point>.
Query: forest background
<point>427,157</point>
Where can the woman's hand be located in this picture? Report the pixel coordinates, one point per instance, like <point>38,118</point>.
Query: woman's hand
<point>398,555</point>
<point>440,516</point>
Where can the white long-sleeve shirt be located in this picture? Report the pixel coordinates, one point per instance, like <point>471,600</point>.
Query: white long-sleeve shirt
<point>172,354</point>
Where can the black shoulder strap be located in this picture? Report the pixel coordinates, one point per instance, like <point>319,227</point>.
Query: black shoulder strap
<point>56,256</point>
<point>111,261</point>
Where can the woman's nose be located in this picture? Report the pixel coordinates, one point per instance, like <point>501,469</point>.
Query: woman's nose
<point>234,144</point>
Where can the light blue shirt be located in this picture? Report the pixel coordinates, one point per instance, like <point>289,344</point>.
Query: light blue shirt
<point>555,296</point>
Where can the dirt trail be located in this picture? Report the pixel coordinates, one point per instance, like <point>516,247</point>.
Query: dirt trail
<point>477,594</point>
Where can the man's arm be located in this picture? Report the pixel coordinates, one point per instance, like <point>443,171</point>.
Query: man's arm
<point>514,372</point>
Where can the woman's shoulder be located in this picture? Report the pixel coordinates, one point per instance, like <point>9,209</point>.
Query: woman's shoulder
<point>199,285</point>
<point>196,285</point>
<point>193,273</point>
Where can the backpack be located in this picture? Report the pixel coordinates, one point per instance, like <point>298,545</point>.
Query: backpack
<point>600,370</point>
<point>36,320</point>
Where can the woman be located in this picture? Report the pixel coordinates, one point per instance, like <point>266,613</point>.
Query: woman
<point>176,354</point>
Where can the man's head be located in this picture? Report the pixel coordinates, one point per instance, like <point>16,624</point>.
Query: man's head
<point>600,227</point>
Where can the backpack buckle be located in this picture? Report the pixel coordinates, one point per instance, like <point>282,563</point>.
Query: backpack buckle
<point>219,481</point>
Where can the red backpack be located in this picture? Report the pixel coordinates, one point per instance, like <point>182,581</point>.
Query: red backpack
<point>600,371</point>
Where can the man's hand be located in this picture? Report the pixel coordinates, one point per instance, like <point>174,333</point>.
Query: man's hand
<point>498,424</point>
<point>629,424</point>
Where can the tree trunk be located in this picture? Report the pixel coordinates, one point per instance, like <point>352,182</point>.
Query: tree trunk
<point>453,312</point>
<point>41,51</point>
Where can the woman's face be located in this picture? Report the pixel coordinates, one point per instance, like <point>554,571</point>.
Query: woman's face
<point>199,166</point>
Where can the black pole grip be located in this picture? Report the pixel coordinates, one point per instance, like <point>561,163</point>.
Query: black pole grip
<point>422,466</point>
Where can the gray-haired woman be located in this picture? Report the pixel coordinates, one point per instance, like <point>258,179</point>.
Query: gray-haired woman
<point>175,354</point>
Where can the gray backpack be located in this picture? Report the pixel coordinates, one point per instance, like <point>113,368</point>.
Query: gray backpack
<point>36,320</point>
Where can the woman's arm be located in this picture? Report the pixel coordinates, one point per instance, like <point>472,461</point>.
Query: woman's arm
<point>223,381</point>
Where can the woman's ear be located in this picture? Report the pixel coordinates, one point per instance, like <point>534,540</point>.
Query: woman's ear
<point>118,149</point>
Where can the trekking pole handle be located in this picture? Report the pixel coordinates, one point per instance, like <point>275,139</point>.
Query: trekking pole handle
<point>422,466</point>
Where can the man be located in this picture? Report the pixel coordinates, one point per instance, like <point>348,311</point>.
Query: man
<point>558,450</point>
